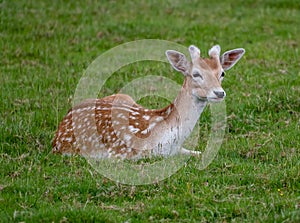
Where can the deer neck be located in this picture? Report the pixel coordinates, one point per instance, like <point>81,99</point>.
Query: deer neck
<point>188,109</point>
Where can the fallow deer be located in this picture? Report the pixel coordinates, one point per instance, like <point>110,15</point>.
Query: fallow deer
<point>117,127</point>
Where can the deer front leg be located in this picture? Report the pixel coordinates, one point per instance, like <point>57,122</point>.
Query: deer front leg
<point>189,152</point>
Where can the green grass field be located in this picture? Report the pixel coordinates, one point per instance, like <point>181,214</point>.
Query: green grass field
<point>45,47</point>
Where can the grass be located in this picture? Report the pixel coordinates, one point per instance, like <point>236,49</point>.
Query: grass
<point>45,47</point>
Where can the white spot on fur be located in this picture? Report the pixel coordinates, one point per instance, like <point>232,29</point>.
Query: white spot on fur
<point>122,116</point>
<point>116,122</point>
<point>168,110</point>
<point>152,125</point>
<point>159,118</point>
<point>145,131</point>
<point>69,139</point>
<point>132,129</point>
<point>146,117</point>
<point>127,137</point>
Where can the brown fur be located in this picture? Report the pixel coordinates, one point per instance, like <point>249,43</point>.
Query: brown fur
<point>109,138</point>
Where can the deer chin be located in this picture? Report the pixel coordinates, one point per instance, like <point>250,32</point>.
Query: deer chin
<point>201,99</point>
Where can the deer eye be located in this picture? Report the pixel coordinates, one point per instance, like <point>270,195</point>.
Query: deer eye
<point>197,74</point>
<point>223,74</point>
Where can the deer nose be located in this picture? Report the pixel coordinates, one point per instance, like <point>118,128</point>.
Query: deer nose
<point>219,94</point>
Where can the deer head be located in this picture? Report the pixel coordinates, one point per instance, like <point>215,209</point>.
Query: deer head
<point>204,75</point>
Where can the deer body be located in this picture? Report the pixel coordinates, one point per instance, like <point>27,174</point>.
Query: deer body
<point>115,126</point>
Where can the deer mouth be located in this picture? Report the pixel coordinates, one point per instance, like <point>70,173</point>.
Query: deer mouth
<point>210,99</point>
<point>216,99</point>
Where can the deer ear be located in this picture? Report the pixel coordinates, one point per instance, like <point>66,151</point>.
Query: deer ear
<point>178,61</point>
<point>230,58</point>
